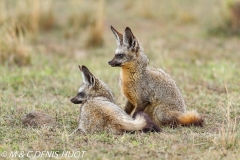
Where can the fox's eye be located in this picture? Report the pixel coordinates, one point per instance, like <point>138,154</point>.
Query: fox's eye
<point>81,94</point>
<point>120,55</point>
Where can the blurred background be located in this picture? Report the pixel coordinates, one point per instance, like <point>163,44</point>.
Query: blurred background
<point>66,26</point>
<point>196,41</point>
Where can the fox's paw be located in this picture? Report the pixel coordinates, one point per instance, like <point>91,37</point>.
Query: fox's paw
<point>150,125</point>
<point>153,128</point>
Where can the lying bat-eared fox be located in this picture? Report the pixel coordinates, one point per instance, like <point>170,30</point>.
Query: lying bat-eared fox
<point>98,111</point>
<point>149,89</point>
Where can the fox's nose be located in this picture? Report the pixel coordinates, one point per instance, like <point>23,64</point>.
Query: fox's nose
<point>109,62</point>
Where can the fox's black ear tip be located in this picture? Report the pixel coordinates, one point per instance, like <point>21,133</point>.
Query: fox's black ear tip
<point>113,29</point>
<point>84,67</point>
<point>127,29</point>
<point>79,66</point>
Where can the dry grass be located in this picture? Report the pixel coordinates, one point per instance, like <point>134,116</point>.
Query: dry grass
<point>95,34</point>
<point>229,19</point>
<point>3,13</point>
<point>234,9</point>
<point>228,137</point>
<point>14,45</point>
<point>20,22</point>
<point>146,9</point>
<point>81,15</point>
<point>33,15</point>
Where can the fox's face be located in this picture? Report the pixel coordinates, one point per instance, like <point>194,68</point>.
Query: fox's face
<point>91,87</point>
<point>87,89</point>
<point>82,95</point>
<point>127,50</point>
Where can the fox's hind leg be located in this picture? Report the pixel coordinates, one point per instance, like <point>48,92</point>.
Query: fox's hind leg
<point>162,115</point>
<point>141,107</point>
<point>129,107</point>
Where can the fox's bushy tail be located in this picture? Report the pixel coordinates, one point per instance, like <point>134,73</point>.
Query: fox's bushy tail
<point>190,118</point>
<point>140,121</point>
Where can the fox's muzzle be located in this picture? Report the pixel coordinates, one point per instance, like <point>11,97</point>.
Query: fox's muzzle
<point>114,63</point>
<point>75,100</point>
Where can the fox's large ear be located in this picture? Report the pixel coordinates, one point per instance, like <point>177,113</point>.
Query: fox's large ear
<point>119,36</point>
<point>88,77</point>
<point>80,68</point>
<point>130,40</point>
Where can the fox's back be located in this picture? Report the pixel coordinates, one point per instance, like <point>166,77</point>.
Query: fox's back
<point>163,88</point>
<point>151,84</point>
<point>99,114</point>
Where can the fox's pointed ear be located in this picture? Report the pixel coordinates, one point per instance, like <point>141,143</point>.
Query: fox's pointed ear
<point>88,77</point>
<point>130,40</point>
<point>119,36</point>
<point>80,67</point>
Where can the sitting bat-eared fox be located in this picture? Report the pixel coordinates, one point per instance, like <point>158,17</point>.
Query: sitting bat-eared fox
<point>149,89</point>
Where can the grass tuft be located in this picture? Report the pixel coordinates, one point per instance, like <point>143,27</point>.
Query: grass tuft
<point>95,34</point>
<point>228,137</point>
<point>14,45</point>
<point>33,15</point>
<point>81,15</point>
<point>229,20</point>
